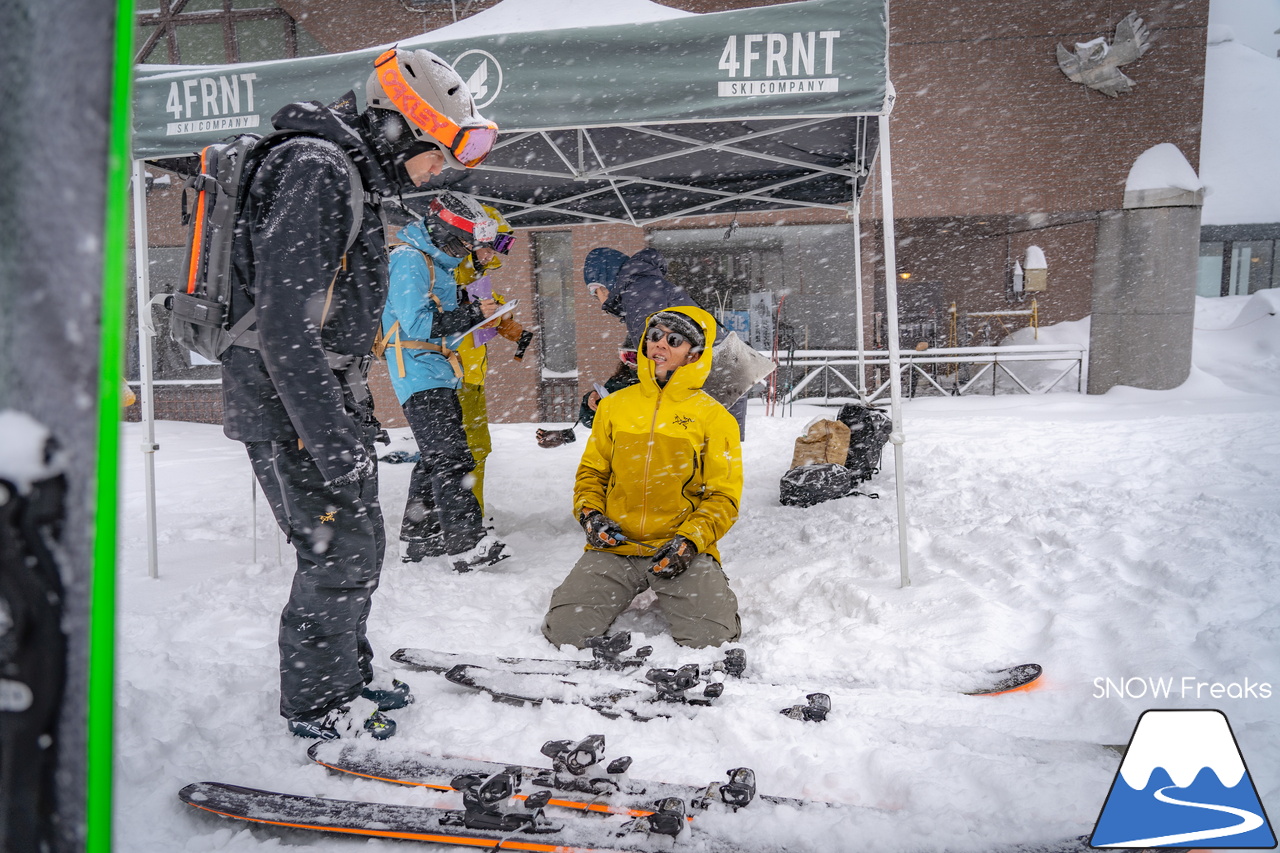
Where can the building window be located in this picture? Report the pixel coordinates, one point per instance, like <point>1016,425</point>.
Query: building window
<point>1237,267</point>
<point>1250,267</point>
<point>1209,273</point>
<point>216,32</point>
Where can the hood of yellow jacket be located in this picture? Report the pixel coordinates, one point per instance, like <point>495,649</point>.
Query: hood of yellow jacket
<point>689,377</point>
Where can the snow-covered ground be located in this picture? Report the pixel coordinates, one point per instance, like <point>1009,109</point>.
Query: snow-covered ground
<point>1123,537</point>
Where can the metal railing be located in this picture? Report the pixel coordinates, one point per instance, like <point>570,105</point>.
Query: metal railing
<point>951,372</point>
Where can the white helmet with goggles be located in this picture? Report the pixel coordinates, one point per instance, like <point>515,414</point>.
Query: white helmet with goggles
<point>435,102</point>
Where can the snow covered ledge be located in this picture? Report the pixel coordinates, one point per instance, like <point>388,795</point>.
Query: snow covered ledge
<point>1162,177</point>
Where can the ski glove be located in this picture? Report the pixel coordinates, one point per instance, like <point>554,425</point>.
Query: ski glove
<point>672,559</point>
<point>602,531</point>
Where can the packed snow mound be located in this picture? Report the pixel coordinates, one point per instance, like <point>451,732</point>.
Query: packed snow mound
<point>1237,340</point>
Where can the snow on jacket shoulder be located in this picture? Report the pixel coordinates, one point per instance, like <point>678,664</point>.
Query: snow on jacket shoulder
<point>409,303</point>
<point>664,461</point>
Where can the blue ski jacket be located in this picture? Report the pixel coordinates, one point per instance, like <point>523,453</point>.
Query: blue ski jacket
<point>421,280</point>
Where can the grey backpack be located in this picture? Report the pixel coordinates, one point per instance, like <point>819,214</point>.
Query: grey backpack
<point>200,310</point>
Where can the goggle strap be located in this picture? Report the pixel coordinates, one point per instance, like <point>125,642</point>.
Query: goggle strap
<point>410,103</point>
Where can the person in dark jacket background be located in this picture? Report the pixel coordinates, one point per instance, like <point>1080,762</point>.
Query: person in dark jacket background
<point>632,289</point>
<point>294,391</point>
<point>629,288</point>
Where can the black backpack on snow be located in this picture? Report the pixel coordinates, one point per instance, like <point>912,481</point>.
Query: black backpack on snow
<point>869,430</point>
<point>807,485</point>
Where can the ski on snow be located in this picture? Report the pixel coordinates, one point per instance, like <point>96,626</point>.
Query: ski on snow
<point>602,683</point>
<point>525,829</point>
<point>490,819</point>
<point>504,806</point>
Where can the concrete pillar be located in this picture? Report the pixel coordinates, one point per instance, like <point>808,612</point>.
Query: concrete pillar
<point>1144,288</point>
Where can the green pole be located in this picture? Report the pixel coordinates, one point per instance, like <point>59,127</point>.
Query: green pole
<point>102,621</point>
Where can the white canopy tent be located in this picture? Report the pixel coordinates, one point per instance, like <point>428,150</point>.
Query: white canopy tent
<point>772,108</point>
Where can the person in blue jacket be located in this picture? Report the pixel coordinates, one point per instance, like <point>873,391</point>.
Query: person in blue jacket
<point>442,517</point>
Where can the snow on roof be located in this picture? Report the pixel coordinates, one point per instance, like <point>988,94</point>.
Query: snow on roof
<point>1240,134</point>
<point>518,16</point>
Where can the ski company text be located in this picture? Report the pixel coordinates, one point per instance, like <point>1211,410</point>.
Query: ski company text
<point>1185,687</point>
<point>773,64</point>
<point>201,104</point>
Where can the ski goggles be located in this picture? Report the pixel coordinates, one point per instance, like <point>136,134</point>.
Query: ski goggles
<point>502,243</point>
<point>483,230</point>
<point>469,142</point>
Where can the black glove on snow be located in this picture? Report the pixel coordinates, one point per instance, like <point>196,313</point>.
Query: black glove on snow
<point>602,531</point>
<point>672,559</point>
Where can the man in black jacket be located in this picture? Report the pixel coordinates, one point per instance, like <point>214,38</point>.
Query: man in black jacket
<point>296,393</point>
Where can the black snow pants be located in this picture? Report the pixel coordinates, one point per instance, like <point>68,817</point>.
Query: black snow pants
<point>337,532</point>
<point>442,512</point>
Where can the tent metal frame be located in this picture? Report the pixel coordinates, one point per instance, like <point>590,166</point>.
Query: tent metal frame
<point>625,174</point>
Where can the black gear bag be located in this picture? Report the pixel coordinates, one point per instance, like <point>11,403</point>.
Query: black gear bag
<point>869,430</point>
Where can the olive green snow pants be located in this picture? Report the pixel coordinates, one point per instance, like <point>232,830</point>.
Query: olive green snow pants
<point>702,609</point>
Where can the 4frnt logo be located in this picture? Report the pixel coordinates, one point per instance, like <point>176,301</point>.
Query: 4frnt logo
<point>1186,687</point>
<point>773,64</point>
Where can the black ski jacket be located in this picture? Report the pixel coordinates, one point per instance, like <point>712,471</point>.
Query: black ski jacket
<point>296,221</point>
<point>641,288</point>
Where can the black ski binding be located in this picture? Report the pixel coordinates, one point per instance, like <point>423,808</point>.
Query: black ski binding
<point>736,793</point>
<point>572,762</point>
<point>734,663</point>
<point>486,803</point>
<point>668,818</point>
<point>609,648</point>
<point>673,685</point>
<point>815,712</point>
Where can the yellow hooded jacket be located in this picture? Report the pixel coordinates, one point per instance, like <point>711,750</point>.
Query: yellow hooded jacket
<point>664,461</point>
